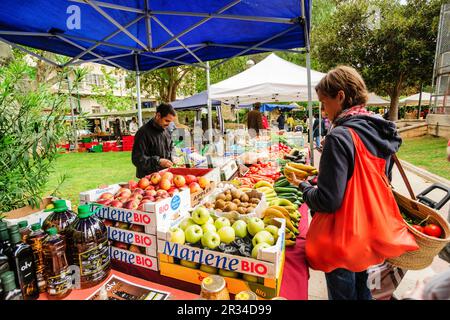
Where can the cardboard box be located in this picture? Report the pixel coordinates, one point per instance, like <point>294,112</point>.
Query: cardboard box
<point>133,258</point>
<point>267,264</point>
<point>30,214</point>
<point>265,288</point>
<point>137,238</point>
<point>198,197</point>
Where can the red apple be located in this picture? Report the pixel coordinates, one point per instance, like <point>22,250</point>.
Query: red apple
<point>138,191</point>
<point>132,184</point>
<point>151,198</point>
<point>122,199</point>
<point>165,184</point>
<point>120,245</point>
<point>108,223</point>
<point>145,201</point>
<point>179,181</point>
<point>121,225</point>
<point>134,248</point>
<point>150,187</point>
<point>150,193</point>
<point>131,205</point>
<point>168,176</point>
<point>160,193</point>
<point>123,194</point>
<point>203,182</point>
<point>137,197</point>
<point>123,191</point>
<point>116,203</point>
<point>104,202</point>
<point>155,178</point>
<point>137,228</point>
<point>143,183</point>
<point>190,178</point>
<point>106,195</point>
<point>194,187</point>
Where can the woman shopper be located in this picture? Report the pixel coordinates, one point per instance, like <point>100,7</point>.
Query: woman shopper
<point>356,222</point>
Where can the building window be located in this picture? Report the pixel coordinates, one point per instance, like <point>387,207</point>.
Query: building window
<point>95,109</point>
<point>95,79</point>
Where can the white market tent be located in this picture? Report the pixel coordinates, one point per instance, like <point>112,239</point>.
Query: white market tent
<point>271,80</point>
<point>375,100</point>
<point>413,100</point>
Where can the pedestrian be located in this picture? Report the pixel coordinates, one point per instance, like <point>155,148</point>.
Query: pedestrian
<point>290,122</point>
<point>356,222</point>
<point>316,135</point>
<point>117,131</point>
<point>133,126</point>
<point>152,148</point>
<point>281,120</point>
<point>265,122</point>
<point>254,119</point>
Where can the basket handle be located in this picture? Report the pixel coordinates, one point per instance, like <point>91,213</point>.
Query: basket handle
<point>403,174</point>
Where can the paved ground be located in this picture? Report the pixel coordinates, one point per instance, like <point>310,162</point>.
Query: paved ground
<point>317,284</point>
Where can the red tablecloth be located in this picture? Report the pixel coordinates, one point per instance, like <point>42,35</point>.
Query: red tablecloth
<point>294,285</point>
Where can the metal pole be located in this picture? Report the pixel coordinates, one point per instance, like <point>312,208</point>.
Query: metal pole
<point>208,83</point>
<point>308,77</point>
<point>320,123</point>
<point>138,91</point>
<point>74,125</point>
<point>420,100</point>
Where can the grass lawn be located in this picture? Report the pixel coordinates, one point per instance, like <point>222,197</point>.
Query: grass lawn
<point>86,171</point>
<point>427,152</point>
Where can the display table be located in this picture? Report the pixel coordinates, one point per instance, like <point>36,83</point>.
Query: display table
<point>294,284</point>
<point>175,294</point>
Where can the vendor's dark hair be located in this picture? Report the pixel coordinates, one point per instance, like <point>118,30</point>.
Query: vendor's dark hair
<point>164,109</point>
<point>257,105</point>
<point>348,80</point>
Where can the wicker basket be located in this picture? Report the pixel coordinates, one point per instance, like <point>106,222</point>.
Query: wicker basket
<point>429,247</point>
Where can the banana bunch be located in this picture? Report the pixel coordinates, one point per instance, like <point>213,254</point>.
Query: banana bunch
<point>283,208</point>
<point>266,188</point>
<point>300,170</point>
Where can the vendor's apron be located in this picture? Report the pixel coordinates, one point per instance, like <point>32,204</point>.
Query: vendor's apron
<point>367,228</point>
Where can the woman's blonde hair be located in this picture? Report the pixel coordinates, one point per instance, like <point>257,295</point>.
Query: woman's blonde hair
<point>348,80</point>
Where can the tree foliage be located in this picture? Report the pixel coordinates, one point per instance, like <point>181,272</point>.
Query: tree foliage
<point>394,54</point>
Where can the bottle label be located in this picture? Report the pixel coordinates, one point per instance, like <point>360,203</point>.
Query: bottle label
<point>27,276</point>
<point>59,283</point>
<point>94,260</point>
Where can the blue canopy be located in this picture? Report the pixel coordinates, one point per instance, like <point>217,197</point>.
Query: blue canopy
<point>269,107</point>
<point>196,101</point>
<point>151,34</point>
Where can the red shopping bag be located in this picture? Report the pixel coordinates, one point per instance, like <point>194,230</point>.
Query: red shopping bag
<point>367,228</point>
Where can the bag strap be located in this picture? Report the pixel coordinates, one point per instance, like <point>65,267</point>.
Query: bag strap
<point>403,174</point>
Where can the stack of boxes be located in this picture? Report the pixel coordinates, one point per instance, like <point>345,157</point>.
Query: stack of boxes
<point>127,143</point>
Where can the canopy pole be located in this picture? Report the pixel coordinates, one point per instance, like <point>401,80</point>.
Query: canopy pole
<point>420,100</point>
<point>208,84</point>
<point>138,91</point>
<point>320,123</point>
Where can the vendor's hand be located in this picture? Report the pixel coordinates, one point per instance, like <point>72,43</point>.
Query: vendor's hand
<point>292,178</point>
<point>417,292</point>
<point>165,163</point>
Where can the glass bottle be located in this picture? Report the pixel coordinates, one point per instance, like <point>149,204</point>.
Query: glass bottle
<point>57,276</point>
<point>22,262</point>
<point>35,240</point>
<point>87,240</point>
<point>24,230</point>
<point>10,291</point>
<point>61,217</point>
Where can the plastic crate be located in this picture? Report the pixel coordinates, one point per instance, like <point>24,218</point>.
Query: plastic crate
<point>97,148</point>
<point>84,140</point>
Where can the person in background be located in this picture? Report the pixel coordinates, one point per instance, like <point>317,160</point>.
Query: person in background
<point>152,148</point>
<point>349,231</point>
<point>281,120</point>
<point>133,128</point>
<point>254,119</point>
<point>186,121</point>
<point>97,129</point>
<point>117,131</point>
<point>265,122</point>
<point>316,135</point>
<point>290,122</point>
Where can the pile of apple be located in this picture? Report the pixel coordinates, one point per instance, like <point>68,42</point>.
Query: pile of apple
<point>201,229</point>
<point>152,188</point>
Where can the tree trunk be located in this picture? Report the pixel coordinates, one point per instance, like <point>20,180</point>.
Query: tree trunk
<point>395,95</point>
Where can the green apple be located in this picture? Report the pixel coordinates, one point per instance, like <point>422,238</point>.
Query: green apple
<point>210,240</point>
<point>186,223</point>
<point>229,274</point>
<point>189,264</point>
<point>226,234</point>
<point>200,215</point>
<point>193,233</point>
<point>240,228</point>
<point>211,220</point>
<point>254,225</point>
<point>249,278</point>
<point>208,227</point>
<point>256,248</point>
<point>208,269</point>
<point>263,236</point>
<point>222,222</point>
<point>177,235</point>
<point>273,230</point>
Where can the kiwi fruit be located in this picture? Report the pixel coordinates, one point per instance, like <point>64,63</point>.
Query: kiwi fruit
<point>227,208</point>
<point>242,210</point>
<point>244,198</point>
<point>221,196</point>
<point>237,201</point>
<point>233,206</point>
<point>220,204</point>
<point>208,205</point>
<point>254,200</point>
<point>228,197</point>
<point>235,194</point>
<point>219,210</point>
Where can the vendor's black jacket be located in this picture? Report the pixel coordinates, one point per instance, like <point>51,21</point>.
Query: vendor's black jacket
<point>151,143</point>
<point>379,136</point>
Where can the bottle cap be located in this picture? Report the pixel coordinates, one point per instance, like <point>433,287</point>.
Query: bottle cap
<point>23,224</point>
<point>84,211</point>
<point>35,226</point>
<point>60,206</point>
<point>13,228</point>
<point>15,237</point>
<point>52,231</point>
